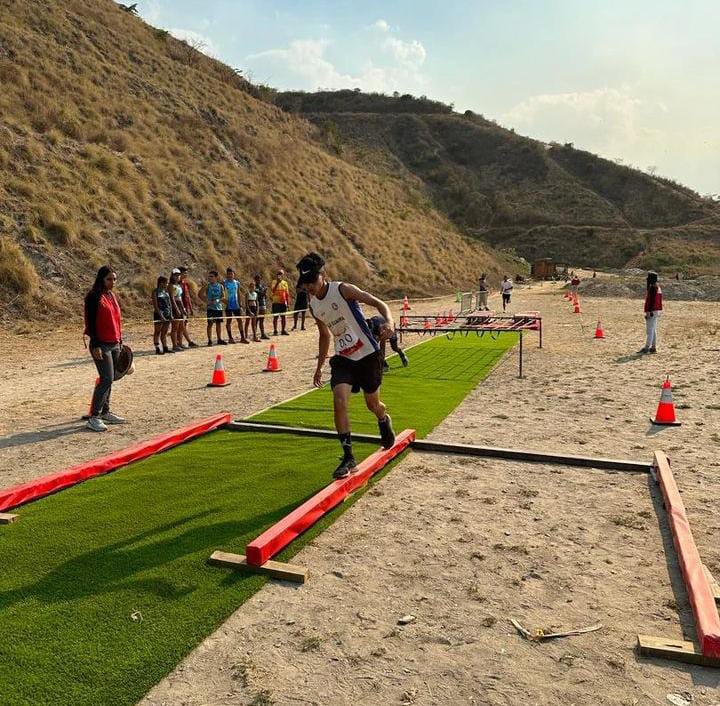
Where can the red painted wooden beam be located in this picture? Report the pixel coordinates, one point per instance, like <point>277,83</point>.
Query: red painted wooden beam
<point>707,621</point>
<point>40,487</point>
<point>277,537</point>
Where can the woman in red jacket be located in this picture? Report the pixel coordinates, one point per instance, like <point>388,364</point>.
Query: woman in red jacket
<point>103,324</point>
<point>653,309</point>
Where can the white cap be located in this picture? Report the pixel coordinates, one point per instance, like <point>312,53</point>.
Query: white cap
<point>175,271</point>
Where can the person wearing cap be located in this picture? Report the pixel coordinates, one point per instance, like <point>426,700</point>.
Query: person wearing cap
<point>653,309</point>
<point>357,363</point>
<point>280,291</point>
<point>188,305</point>
<point>103,325</point>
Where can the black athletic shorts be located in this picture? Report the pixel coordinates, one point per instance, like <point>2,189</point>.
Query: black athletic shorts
<point>279,308</point>
<point>364,374</point>
<point>215,314</point>
<point>233,312</point>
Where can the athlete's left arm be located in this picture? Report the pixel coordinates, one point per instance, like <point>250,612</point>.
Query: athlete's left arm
<point>350,291</point>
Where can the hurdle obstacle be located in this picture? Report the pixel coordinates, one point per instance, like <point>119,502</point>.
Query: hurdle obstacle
<point>700,593</point>
<point>259,552</point>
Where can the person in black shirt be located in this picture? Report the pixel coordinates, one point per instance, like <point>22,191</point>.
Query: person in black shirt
<point>375,324</point>
<point>261,290</point>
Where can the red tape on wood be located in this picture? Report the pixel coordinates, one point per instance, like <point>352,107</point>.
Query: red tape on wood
<point>40,487</point>
<point>707,621</point>
<point>277,537</point>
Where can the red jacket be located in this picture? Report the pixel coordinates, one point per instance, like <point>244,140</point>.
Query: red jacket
<point>653,298</point>
<point>103,320</point>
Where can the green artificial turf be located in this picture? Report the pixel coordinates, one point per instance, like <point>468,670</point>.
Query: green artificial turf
<point>105,587</point>
<point>440,375</point>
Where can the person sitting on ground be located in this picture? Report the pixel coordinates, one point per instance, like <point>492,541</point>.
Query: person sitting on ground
<point>178,311</point>
<point>482,293</point>
<point>188,305</point>
<point>233,309</point>
<point>376,324</point>
<point>215,294</point>
<point>251,309</point>
<point>506,287</point>
<point>301,304</point>
<point>162,315</point>
<point>653,308</point>
<point>357,363</point>
<point>103,325</point>
<point>261,289</point>
<point>280,291</point>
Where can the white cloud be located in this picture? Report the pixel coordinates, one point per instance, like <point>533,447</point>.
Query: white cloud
<point>195,39</point>
<point>382,25</point>
<point>611,121</point>
<point>410,54</point>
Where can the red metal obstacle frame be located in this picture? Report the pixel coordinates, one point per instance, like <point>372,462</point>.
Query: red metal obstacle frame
<point>40,487</point>
<point>707,621</point>
<point>278,536</point>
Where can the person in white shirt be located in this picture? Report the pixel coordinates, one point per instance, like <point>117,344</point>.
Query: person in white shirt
<point>505,290</point>
<point>357,363</point>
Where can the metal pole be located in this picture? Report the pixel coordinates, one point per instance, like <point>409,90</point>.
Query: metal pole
<point>521,353</point>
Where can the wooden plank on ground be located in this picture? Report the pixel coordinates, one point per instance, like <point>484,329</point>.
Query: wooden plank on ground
<point>6,518</point>
<point>678,650</point>
<point>714,585</point>
<point>273,569</point>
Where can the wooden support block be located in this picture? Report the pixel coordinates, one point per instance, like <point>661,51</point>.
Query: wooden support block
<point>678,650</point>
<point>6,518</point>
<point>714,585</point>
<point>273,569</point>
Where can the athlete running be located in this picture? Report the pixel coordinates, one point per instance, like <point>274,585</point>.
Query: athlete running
<point>357,363</point>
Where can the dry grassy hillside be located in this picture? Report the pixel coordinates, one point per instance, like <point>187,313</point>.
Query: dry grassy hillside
<point>512,191</point>
<point>119,143</point>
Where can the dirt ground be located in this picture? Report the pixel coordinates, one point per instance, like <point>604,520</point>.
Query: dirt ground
<point>455,545</point>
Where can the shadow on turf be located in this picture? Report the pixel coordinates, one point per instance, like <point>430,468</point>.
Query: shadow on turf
<point>112,568</point>
<point>32,437</point>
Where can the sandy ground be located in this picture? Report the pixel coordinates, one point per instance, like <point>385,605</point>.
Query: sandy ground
<point>461,545</point>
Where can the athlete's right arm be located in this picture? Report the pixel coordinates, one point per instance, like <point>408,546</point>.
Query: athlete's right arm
<point>323,348</point>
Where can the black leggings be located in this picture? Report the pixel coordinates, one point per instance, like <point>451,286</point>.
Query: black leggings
<point>106,370</point>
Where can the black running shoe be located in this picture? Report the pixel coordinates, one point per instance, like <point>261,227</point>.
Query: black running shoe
<point>346,467</point>
<point>404,359</point>
<point>387,435</point>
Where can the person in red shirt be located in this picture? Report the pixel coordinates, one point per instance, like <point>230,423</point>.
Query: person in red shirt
<point>653,309</point>
<point>103,325</point>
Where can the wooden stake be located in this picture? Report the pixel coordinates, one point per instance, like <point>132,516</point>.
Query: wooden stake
<point>273,569</point>
<point>678,650</point>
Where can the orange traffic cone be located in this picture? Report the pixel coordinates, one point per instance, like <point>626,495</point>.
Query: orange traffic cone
<point>218,376</point>
<point>89,413</point>
<point>665,414</point>
<point>599,333</point>
<point>273,364</point>
<point>406,304</point>
<point>427,325</point>
<point>576,308</point>
<point>451,317</point>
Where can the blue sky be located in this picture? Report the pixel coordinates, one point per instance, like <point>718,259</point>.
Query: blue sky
<point>633,80</point>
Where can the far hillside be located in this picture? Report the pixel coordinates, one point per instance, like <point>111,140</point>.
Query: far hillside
<point>515,192</point>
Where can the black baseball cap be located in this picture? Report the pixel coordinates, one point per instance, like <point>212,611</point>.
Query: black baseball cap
<point>309,268</point>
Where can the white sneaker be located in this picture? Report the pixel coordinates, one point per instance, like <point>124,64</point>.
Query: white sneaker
<point>96,424</point>
<point>111,418</point>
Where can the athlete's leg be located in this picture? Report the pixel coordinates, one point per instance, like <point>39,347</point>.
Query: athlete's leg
<point>375,404</point>
<point>341,402</point>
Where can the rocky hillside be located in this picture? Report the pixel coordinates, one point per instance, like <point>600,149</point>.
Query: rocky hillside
<point>119,143</point>
<point>515,192</point>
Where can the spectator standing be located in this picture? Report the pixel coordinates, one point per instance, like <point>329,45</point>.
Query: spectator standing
<point>261,289</point>
<point>574,284</point>
<point>280,291</point>
<point>215,295</point>
<point>103,325</point>
<point>251,309</point>
<point>233,308</point>
<point>482,293</point>
<point>506,287</point>
<point>178,311</point>
<point>162,315</point>
<point>653,308</point>
<point>188,306</point>
<point>300,307</point>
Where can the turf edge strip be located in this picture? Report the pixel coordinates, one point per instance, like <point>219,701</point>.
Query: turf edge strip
<point>40,487</point>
